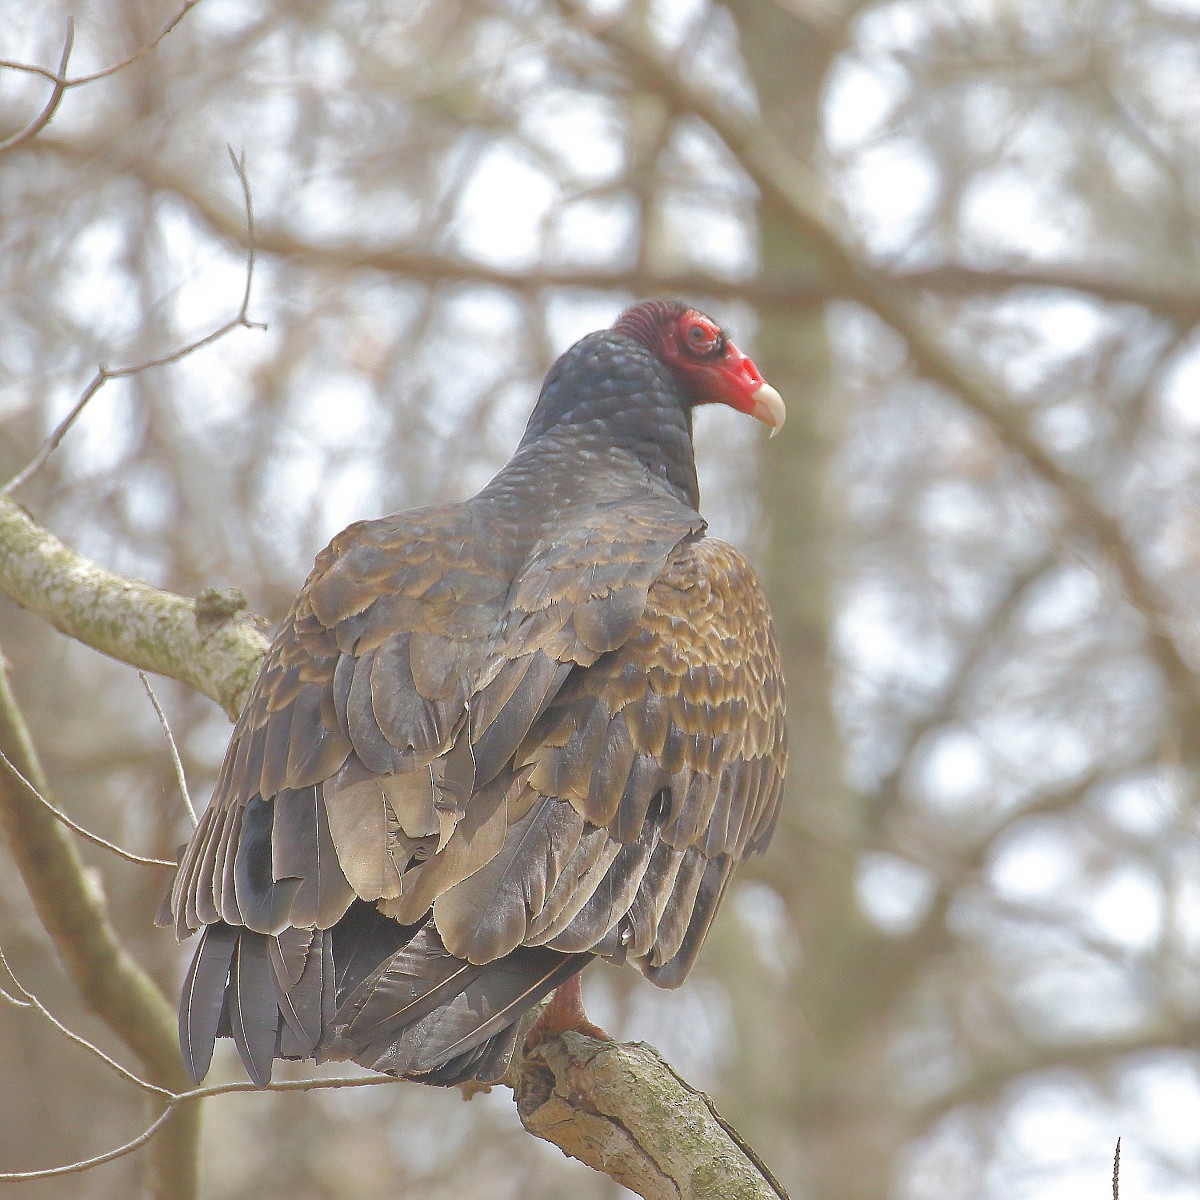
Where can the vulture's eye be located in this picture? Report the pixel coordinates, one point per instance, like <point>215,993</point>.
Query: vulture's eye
<point>703,336</point>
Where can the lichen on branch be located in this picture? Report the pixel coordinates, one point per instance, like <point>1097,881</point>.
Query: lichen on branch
<point>622,1110</point>
<point>216,652</point>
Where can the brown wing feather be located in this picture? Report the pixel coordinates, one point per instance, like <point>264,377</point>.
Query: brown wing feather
<point>671,749</point>
<point>367,677</point>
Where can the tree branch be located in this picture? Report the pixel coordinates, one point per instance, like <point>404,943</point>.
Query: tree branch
<point>173,750</point>
<point>209,644</point>
<point>1091,1055</point>
<point>51,106</point>
<point>1178,301</point>
<point>104,373</point>
<point>888,795</point>
<point>186,1099</point>
<point>60,78</point>
<point>112,984</point>
<point>622,1110</point>
<point>24,998</point>
<point>140,859</point>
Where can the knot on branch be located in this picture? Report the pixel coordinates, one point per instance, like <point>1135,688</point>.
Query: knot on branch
<point>214,606</point>
<point>578,1093</point>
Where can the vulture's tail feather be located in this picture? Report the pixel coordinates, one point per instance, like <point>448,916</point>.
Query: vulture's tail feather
<point>388,996</point>
<point>253,1009</point>
<point>203,998</point>
<point>424,1013</point>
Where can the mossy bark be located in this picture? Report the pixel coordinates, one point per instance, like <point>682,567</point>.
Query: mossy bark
<point>212,646</point>
<point>622,1110</point>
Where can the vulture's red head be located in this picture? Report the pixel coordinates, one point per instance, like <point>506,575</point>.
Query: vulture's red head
<point>629,391</point>
<point>709,368</point>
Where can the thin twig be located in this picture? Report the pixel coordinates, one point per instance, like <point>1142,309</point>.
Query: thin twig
<point>86,1164</point>
<point>203,1093</point>
<point>239,166</point>
<point>59,77</point>
<point>56,94</point>
<point>286,1085</point>
<point>24,999</point>
<point>28,1000</point>
<point>15,1001</point>
<point>152,44</point>
<point>110,982</point>
<point>1117,1172</point>
<point>104,374</point>
<point>75,827</point>
<point>176,762</point>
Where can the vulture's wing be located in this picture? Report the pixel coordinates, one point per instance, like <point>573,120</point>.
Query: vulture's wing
<point>408,671</point>
<point>375,761</point>
<point>366,677</point>
<point>649,775</point>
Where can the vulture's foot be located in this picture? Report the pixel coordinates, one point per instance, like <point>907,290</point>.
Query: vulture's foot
<point>565,1011</point>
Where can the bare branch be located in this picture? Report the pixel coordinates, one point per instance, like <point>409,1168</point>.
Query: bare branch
<point>75,827</point>
<point>288,1085</point>
<point>239,167</point>
<point>176,762</point>
<point>346,254</point>
<point>28,1000</point>
<point>888,794</point>
<point>1089,1054</point>
<point>104,374</point>
<point>1180,302</point>
<point>216,651</point>
<point>59,78</point>
<point>23,998</point>
<point>72,911</point>
<point>152,44</point>
<point>56,94</point>
<point>603,1103</point>
<point>86,1164</point>
<point>178,1098</point>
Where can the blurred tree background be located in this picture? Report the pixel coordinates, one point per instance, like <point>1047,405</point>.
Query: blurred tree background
<point>960,238</point>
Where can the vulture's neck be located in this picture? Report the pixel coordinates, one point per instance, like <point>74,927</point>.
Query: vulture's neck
<point>610,418</point>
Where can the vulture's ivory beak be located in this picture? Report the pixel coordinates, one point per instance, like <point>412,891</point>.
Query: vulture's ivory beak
<point>769,408</point>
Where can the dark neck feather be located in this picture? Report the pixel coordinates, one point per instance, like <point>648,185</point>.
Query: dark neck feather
<point>608,407</point>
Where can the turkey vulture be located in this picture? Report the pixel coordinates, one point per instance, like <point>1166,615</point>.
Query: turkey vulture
<point>497,739</point>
